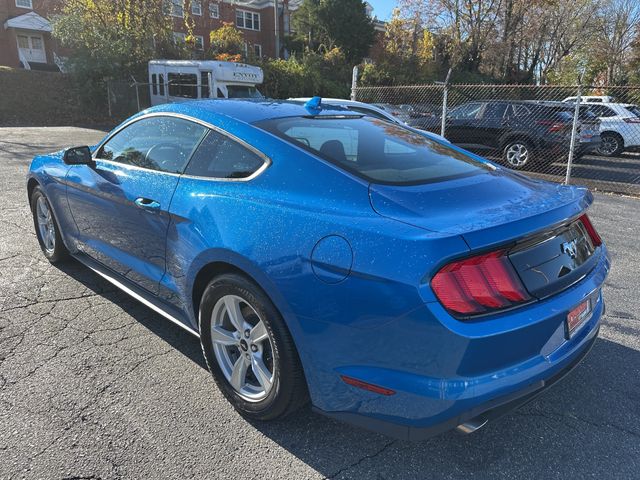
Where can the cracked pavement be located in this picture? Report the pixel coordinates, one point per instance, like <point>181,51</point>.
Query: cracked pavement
<point>94,385</point>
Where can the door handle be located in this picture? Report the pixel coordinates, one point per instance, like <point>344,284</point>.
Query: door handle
<point>147,203</point>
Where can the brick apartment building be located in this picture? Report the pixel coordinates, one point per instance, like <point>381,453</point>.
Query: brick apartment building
<point>25,34</point>
<point>26,41</point>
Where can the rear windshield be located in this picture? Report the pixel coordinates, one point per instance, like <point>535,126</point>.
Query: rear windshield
<point>376,150</point>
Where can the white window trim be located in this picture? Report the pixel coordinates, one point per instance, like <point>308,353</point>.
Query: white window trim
<point>199,10</point>
<point>211,10</point>
<point>30,7</point>
<point>259,55</point>
<point>253,19</point>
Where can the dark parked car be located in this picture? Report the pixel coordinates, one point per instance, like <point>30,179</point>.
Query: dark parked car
<point>522,133</point>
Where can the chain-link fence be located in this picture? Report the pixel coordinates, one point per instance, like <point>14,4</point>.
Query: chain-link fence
<point>124,98</point>
<point>569,134</point>
<point>529,128</point>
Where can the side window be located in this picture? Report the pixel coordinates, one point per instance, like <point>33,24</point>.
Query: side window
<point>161,78</point>
<point>183,85</point>
<point>154,84</point>
<point>204,84</point>
<point>494,111</point>
<point>218,156</point>
<point>602,111</point>
<point>158,143</point>
<point>466,112</point>
<point>520,110</point>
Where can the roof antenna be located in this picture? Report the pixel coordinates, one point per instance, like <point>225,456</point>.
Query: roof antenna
<point>314,104</point>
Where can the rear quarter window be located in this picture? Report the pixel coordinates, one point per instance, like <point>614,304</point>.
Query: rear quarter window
<point>219,156</point>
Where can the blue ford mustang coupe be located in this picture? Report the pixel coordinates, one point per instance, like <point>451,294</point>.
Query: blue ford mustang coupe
<point>393,280</point>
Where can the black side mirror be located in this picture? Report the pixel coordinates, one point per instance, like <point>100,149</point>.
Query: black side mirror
<point>78,156</point>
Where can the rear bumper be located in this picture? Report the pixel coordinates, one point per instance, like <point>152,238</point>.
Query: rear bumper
<point>479,415</point>
<point>474,373</point>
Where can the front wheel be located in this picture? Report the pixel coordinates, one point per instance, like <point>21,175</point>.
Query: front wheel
<point>249,349</point>
<point>47,229</point>
<point>518,154</point>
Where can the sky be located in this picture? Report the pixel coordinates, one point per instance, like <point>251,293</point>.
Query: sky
<point>383,8</point>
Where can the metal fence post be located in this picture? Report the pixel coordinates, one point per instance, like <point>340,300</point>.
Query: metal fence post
<point>445,93</point>
<point>354,82</point>
<point>137,96</point>
<point>109,97</point>
<point>574,132</point>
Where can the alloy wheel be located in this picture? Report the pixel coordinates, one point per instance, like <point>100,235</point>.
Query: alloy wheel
<point>609,145</point>
<point>242,347</point>
<point>46,225</point>
<point>517,155</point>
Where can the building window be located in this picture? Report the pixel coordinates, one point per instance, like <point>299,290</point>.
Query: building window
<point>214,10</point>
<point>198,42</point>
<point>179,38</point>
<point>175,8</point>
<point>248,20</point>
<point>196,7</point>
<point>24,4</point>
<point>257,50</point>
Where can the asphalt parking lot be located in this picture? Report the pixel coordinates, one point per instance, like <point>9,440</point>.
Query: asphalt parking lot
<point>95,385</point>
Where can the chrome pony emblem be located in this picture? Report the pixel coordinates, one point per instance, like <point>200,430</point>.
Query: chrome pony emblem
<point>570,248</point>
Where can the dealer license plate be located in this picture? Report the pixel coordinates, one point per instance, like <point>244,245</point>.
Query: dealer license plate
<point>577,317</point>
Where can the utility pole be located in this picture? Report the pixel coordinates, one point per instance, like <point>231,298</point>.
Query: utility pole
<point>276,27</point>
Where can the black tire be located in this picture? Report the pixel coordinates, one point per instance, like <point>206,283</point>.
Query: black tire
<point>611,146</point>
<point>289,389</point>
<point>515,162</point>
<point>59,252</point>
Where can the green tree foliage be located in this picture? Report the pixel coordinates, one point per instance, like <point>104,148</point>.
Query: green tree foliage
<point>314,74</point>
<point>325,24</point>
<point>227,43</point>
<point>408,54</point>
<point>112,38</point>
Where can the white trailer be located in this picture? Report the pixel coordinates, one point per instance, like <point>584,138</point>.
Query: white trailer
<point>182,80</point>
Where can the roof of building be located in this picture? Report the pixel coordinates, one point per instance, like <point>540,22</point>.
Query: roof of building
<point>29,21</point>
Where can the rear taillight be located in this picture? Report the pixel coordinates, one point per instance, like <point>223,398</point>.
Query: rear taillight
<point>479,285</point>
<point>552,126</point>
<point>593,235</point>
<point>632,119</point>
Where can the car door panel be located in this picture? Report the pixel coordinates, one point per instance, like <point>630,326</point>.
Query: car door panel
<point>113,229</point>
<point>121,203</point>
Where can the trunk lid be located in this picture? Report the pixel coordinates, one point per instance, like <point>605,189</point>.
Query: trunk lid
<point>486,209</point>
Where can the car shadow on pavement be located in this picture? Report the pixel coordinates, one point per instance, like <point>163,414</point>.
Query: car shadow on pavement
<point>587,425</point>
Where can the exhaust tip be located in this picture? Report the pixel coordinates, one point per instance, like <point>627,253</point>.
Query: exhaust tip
<point>472,425</point>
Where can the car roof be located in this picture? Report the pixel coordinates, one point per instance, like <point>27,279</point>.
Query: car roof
<point>247,110</point>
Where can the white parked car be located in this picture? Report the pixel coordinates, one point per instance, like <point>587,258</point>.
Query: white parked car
<point>619,126</point>
<point>592,99</point>
<point>368,109</point>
